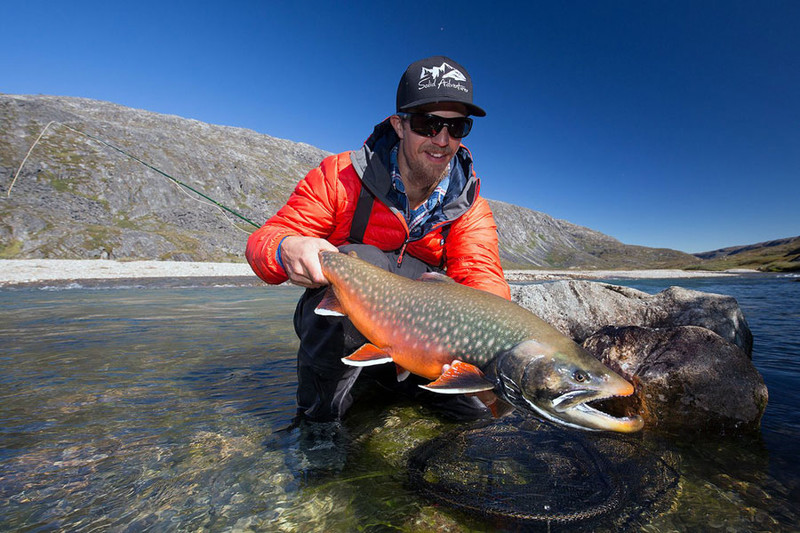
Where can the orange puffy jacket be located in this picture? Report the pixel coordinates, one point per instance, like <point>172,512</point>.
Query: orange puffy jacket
<point>323,203</point>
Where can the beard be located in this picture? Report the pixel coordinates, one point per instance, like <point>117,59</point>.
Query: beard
<point>424,173</point>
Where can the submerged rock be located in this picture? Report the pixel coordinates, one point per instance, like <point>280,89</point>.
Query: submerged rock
<point>686,377</point>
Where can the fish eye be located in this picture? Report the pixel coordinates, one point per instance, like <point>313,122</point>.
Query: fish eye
<point>580,376</point>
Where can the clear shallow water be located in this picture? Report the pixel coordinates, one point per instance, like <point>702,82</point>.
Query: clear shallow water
<point>163,408</point>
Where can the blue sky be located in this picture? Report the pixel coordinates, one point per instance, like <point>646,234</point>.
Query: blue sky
<point>666,123</point>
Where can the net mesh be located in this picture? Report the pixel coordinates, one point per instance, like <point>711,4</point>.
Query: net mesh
<point>530,472</point>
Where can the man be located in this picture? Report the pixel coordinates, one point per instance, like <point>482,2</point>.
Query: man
<point>408,201</point>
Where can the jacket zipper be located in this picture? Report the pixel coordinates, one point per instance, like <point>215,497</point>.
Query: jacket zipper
<point>402,252</point>
<point>408,238</point>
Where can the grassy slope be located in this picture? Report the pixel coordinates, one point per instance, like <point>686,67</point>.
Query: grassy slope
<point>766,257</point>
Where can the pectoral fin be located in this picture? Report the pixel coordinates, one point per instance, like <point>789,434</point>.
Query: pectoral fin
<point>460,378</point>
<point>497,406</point>
<point>367,355</point>
<point>330,305</point>
<point>402,373</point>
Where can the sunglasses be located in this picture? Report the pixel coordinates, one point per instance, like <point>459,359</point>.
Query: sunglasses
<point>429,125</point>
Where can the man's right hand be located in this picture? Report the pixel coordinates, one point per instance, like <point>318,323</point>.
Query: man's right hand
<point>300,258</point>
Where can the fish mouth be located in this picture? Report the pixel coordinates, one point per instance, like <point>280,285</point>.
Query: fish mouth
<point>574,409</point>
<point>602,420</point>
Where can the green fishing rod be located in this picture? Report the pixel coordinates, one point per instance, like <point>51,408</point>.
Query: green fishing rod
<point>138,160</point>
<point>175,180</point>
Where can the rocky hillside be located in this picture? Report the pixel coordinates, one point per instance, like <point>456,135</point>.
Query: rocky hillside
<point>530,238</point>
<point>78,198</point>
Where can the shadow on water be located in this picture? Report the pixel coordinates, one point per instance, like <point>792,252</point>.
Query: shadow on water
<point>168,408</point>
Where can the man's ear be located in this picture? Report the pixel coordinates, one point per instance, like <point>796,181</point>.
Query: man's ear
<point>397,124</point>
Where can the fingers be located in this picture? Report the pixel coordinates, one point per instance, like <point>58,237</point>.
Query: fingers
<point>300,257</point>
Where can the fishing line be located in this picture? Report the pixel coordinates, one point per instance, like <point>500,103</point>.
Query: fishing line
<point>181,185</point>
<point>8,195</point>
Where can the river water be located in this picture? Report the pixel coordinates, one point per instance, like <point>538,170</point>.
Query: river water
<point>166,408</point>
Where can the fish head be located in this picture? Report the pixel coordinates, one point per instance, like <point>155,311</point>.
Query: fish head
<point>557,383</point>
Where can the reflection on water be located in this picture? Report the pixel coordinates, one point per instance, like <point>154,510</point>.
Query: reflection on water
<point>169,409</point>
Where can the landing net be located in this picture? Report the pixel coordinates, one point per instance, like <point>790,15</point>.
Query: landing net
<point>527,472</point>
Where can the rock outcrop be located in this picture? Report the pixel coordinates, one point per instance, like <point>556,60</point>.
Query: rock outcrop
<point>77,198</point>
<point>530,237</point>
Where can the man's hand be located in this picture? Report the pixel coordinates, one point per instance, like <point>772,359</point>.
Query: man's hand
<point>300,257</point>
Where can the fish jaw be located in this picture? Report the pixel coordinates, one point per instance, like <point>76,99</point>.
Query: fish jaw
<point>558,384</point>
<point>575,410</point>
<point>585,416</point>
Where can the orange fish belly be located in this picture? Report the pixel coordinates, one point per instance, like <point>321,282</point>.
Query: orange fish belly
<point>420,356</point>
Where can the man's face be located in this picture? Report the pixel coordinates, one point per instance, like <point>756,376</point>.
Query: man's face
<point>427,157</point>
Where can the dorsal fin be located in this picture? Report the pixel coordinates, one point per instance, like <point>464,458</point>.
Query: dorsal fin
<point>436,277</point>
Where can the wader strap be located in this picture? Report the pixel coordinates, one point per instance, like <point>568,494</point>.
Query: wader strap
<point>445,232</point>
<point>361,215</point>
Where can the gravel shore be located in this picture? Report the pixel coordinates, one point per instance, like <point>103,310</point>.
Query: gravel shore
<point>31,271</point>
<point>552,275</point>
<point>24,271</point>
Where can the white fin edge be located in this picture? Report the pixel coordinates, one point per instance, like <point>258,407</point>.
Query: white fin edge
<point>327,312</point>
<point>464,390</point>
<point>371,362</point>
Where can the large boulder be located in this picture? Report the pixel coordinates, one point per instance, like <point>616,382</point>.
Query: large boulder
<point>686,377</point>
<point>687,353</point>
<point>580,308</point>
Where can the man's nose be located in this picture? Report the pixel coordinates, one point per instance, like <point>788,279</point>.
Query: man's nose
<point>442,138</point>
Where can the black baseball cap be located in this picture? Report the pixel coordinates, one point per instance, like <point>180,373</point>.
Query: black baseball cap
<point>436,79</point>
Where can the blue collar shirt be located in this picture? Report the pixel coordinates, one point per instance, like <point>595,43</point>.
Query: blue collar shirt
<point>415,218</point>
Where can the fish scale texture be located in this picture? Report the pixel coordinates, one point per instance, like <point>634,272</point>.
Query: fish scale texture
<point>435,315</point>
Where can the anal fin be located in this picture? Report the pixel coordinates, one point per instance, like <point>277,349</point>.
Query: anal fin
<point>460,378</point>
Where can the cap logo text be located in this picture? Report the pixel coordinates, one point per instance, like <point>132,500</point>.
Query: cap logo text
<point>442,76</point>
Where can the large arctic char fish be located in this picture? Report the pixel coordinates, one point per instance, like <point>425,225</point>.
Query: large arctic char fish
<point>470,341</point>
